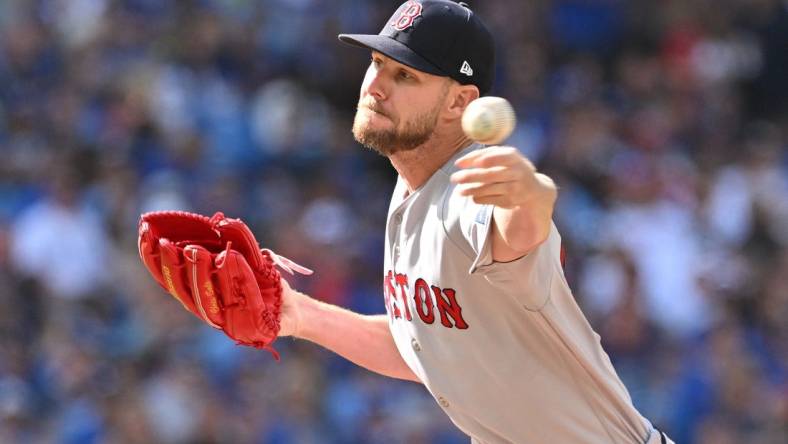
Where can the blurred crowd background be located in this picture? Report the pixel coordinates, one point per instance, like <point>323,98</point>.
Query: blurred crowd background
<point>665,124</point>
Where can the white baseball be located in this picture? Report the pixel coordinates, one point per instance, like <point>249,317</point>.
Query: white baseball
<point>489,120</point>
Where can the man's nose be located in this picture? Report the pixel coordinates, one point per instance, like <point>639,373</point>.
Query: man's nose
<point>377,86</point>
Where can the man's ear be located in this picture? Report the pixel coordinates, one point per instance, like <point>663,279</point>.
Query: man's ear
<point>460,96</point>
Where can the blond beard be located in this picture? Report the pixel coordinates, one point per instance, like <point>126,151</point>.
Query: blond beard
<point>389,141</point>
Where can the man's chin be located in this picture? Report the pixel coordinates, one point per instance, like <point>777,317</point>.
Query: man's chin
<point>379,141</point>
<point>379,135</point>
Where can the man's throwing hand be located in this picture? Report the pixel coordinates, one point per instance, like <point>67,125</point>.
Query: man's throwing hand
<point>498,175</point>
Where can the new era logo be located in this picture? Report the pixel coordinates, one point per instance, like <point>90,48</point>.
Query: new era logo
<point>466,69</point>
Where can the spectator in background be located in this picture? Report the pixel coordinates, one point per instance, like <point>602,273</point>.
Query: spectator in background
<point>61,241</point>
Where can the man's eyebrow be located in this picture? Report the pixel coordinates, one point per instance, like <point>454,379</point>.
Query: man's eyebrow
<point>377,55</point>
<point>412,71</point>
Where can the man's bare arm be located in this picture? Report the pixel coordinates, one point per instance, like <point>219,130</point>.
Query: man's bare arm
<point>364,340</point>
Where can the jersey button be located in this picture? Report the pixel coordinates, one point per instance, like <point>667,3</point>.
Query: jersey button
<point>415,345</point>
<point>443,402</point>
<point>398,218</point>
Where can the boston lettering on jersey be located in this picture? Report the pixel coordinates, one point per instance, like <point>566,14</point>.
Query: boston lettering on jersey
<point>426,298</point>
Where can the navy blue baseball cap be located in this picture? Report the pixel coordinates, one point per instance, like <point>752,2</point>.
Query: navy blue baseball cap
<point>439,37</point>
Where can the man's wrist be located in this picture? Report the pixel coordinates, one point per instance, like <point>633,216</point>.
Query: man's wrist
<point>305,308</point>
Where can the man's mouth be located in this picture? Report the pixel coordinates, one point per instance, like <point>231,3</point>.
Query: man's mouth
<point>376,110</point>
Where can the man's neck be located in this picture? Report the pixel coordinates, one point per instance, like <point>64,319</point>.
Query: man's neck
<point>416,166</point>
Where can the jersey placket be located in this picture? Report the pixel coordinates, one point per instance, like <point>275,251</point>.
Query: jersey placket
<point>395,224</point>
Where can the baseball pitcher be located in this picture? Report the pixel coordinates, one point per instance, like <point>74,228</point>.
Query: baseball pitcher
<point>478,309</point>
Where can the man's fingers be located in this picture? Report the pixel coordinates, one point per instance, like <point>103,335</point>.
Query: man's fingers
<point>469,158</point>
<point>479,190</point>
<point>488,157</point>
<point>498,201</point>
<point>484,175</point>
<point>497,175</point>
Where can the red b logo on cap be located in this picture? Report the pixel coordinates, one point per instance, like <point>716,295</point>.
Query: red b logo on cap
<point>408,15</point>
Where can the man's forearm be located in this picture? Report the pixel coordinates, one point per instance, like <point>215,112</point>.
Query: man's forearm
<point>521,229</point>
<point>364,340</point>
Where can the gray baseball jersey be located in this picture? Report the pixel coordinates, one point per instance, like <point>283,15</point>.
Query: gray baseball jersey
<point>502,347</point>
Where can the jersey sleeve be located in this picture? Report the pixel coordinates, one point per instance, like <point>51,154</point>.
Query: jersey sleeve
<point>528,278</point>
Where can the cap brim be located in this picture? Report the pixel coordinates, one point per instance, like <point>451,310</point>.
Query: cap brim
<point>392,48</point>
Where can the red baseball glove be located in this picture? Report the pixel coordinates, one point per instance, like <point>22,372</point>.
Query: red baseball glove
<point>215,268</point>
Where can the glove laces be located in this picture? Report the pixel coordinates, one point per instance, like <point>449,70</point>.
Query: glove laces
<point>287,264</point>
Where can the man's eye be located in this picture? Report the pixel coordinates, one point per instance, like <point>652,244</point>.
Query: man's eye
<point>405,75</point>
